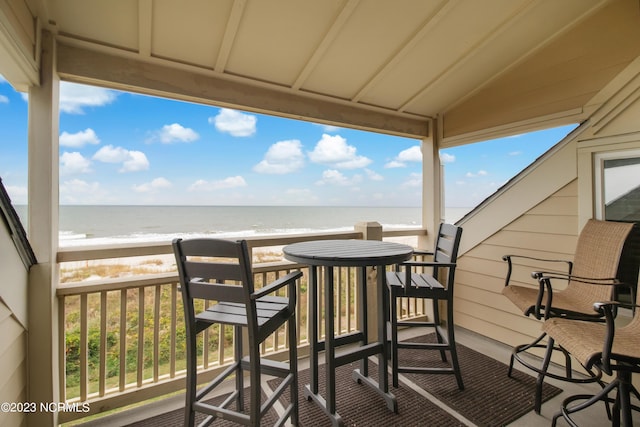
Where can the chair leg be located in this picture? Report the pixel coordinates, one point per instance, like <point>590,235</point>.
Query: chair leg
<point>540,380</point>
<point>624,398</point>
<point>293,368</point>
<point>255,390</point>
<point>237,354</point>
<point>436,325</point>
<point>394,337</point>
<point>521,348</point>
<point>191,377</point>
<point>452,345</point>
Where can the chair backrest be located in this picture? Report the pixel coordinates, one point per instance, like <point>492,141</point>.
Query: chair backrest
<point>597,256</point>
<point>215,270</point>
<point>446,248</point>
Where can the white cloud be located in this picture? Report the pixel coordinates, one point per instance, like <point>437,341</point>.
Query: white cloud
<point>132,161</point>
<point>4,99</point>
<point>79,191</point>
<point>334,177</point>
<point>153,186</point>
<point>329,128</point>
<point>79,186</point>
<point>74,97</point>
<point>111,154</point>
<point>234,122</point>
<point>334,151</point>
<point>176,133</point>
<point>137,161</point>
<point>230,182</point>
<point>515,153</point>
<point>281,158</point>
<point>79,139</point>
<point>447,158</point>
<point>415,180</point>
<point>72,163</point>
<point>477,174</point>
<point>410,155</point>
<point>374,176</point>
<point>17,194</point>
<point>394,164</point>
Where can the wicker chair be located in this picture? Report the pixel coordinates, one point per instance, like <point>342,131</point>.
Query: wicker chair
<point>597,256</point>
<point>601,347</point>
<point>220,271</point>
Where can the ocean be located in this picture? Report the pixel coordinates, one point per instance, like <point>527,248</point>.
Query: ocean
<point>95,225</point>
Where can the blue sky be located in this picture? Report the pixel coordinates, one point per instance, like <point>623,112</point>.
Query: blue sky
<point>122,148</point>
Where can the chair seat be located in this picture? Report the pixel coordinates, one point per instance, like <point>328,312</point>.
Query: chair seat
<point>584,340</point>
<point>419,282</point>
<point>524,298</point>
<point>235,313</point>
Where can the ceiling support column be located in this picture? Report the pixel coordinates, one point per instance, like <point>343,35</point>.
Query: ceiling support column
<point>432,193</point>
<point>43,360</point>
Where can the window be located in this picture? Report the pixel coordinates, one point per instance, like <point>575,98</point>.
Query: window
<point>618,199</point>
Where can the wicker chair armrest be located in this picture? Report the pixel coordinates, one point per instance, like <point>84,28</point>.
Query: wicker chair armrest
<point>508,258</point>
<point>545,280</point>
<point>600,307</point>
<point>607,281</point>
<point>288,279</point>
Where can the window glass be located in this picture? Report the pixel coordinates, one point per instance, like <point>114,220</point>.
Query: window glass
<point>621,186</point>
<point>618,199</point>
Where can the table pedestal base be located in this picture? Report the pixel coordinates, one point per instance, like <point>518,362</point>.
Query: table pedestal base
<point>388,397</point>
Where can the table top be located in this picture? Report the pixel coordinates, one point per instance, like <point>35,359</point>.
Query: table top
<point>347,253</point>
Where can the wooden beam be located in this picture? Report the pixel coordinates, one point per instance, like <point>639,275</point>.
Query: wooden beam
<point>81,65</point>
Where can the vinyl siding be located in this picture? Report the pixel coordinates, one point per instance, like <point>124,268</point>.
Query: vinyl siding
<point>13,333</point>
<point>548,230</point>
<point>13,360</point>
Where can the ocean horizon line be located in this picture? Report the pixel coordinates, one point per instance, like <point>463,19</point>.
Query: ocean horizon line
<point>115,224</point>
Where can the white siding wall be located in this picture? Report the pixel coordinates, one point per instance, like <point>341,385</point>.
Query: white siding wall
<point>540,213</point>
<point>548,230</point>
<point>13,335</point>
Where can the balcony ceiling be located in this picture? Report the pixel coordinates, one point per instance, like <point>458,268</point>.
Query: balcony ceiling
<point>382,65</point>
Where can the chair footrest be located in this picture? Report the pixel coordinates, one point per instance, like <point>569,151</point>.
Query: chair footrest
<point>416,324</point>
<point>423,346</point>
<point>269,367</point>
<point>221,412</point>
<point>422,370</point>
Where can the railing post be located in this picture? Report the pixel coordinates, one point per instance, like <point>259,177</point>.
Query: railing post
<point>371,231</point>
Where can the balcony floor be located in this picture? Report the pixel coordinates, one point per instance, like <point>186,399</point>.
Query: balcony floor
<point>594,416</point>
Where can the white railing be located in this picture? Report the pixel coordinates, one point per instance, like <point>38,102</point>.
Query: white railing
<point>122,338</point>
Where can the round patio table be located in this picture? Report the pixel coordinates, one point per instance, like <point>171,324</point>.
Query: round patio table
<point>347,253</point>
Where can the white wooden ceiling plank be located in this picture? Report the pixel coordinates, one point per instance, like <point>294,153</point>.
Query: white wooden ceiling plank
<point>439,12</point>
<point>145,16</point>
<point>230,32</point>
<point>330,36</point>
